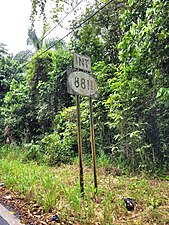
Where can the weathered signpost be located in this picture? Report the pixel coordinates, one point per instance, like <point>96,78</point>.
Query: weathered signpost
<point>81,82</point>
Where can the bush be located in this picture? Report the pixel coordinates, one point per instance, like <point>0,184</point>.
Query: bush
<point>55,149</point>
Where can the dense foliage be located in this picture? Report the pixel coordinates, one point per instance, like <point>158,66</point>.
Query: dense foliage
<point>137,111</point>
<point>9,69</point>
<point>128,42</point>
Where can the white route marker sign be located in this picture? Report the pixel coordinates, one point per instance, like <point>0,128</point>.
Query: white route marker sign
<point>83,83</point>
<point>82,62</point>
<point>80,83</point>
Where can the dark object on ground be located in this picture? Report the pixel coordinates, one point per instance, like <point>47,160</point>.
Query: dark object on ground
<point>55,218</point>
<point>1,184</point>
<point>129,204</point>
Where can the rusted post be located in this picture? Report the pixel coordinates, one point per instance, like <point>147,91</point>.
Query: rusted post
<point>79,145</point>
<point>92,139</point>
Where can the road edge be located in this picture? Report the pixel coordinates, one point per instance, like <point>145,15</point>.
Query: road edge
<point>11,219</point>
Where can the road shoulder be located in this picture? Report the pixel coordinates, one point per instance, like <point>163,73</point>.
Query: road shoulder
<point>9,218</point>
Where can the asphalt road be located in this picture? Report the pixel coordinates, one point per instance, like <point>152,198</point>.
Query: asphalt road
<point>6,218</point>
<point>3,222</point>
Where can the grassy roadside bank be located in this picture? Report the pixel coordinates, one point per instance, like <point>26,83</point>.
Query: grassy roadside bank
<point>57,190</point>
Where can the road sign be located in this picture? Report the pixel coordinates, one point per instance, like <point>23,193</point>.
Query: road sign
<point>82,62</point>
<point>80,83</point>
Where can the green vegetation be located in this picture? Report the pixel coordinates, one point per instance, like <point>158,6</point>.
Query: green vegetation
<point>128,45</point>
<point>57,190</point>
<point>129,52</point>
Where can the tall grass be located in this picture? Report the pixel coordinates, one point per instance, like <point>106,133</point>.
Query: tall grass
<point>57,189</point>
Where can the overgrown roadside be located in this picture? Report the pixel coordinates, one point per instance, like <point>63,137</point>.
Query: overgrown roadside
<point>40,192</point>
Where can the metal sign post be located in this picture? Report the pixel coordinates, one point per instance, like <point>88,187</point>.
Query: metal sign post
<point>83,83</point>
<point>93,143</point>
<point>79,145</point>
